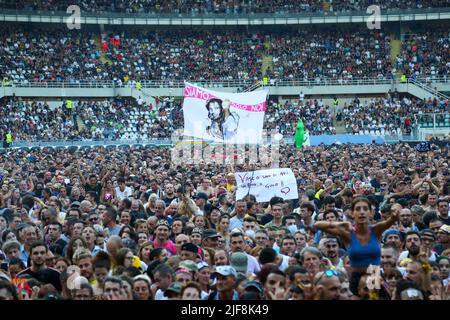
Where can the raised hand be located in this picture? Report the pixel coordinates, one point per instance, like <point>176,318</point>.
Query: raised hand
<point>280,294</point>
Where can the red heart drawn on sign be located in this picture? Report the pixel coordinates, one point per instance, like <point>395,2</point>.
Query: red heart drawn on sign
<point>285,190</point>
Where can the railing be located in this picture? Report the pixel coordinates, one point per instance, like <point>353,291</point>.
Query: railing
<point>433,120</point>
<point>430,90</point>
<point>158,15</point>
<point>148,84</point>
<point>153,143</point>
<point>89,143</point>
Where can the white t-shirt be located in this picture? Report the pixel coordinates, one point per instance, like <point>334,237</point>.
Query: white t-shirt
<point>159,295</point>
<point>252,264</point>
<point>285,263</point>
<point>125,194</point>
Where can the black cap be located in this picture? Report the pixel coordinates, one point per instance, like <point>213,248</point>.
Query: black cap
<point>210,233</point>
<point>189,247</point>
<point>181,190</point>
<point>201,195</point>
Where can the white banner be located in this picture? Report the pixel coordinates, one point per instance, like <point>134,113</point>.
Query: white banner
<point>223,116</point>
<point>265,184</point>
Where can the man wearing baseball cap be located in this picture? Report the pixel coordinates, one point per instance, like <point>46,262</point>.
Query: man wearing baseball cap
<point>201,199</point>
<point>443,236</point>
<point>189,251</point>
<point>225,280</point>
<point>162,237</point>
<point>428,239</point>
<point>210,238</point>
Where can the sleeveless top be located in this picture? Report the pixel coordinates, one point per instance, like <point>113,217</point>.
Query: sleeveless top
<point>364,255</point>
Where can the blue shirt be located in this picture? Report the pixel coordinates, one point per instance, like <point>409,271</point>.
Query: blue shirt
<point>236,222</point>
<point>24,255</point>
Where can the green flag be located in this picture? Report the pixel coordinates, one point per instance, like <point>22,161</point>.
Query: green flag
<point>299,134</point>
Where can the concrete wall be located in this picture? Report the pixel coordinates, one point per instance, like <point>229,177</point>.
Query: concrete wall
<point>230,20</point>
<point>147,93</point>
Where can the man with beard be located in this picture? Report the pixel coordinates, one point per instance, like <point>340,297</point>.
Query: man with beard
<point>136,212</point>
<point>393,238</point>
<point>389,257</point>
<point>169,194</point>
<point>406,221</point>
<point>443,211</point>
<point>332,252</point>
<point>83,259</point>
<point>412,246</point>
<point>162,237</point>
<point>38,269</point>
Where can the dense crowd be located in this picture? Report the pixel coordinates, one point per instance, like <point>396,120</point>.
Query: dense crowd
<point>129,224</point>
<point>425,53</point>
<point>283,117</point>
<point>129,119</point>
<point>219,6</point>
<point>388,115</point>
<point>329,55</point>
<point>89,119</point>
<point>128,56</point>
<point>35,121</point>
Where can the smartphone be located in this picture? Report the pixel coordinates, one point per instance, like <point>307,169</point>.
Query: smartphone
<point>4,266</point>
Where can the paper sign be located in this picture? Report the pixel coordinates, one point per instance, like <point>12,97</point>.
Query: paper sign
<point>265,184</point>
<point>222,116</point>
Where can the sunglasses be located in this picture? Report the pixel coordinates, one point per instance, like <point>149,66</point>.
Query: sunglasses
<point>328,274</point>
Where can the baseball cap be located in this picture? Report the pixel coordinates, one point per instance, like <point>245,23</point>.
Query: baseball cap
<point>75,204</point>
<point>189,265</point>
<point>197,230</point>
<point>173,287</point>
<point>226,271</point>
<point>239,261</point>
<point>162,222</point>
<point>400,182</point>
<point>189,247</point>
<point>254,284</point>
<point>201,195</point>
<point>417,209</point>
<point>210,233</point>
<point>201,265</point>
<point>181,190</point>
<point>215,208</point>
<point>182,270</point>
<point>445,229</point>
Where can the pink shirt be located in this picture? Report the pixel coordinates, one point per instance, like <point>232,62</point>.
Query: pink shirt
<point>168,245</point>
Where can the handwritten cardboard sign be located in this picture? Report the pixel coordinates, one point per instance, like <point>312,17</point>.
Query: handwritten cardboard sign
<point>265,184</point>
